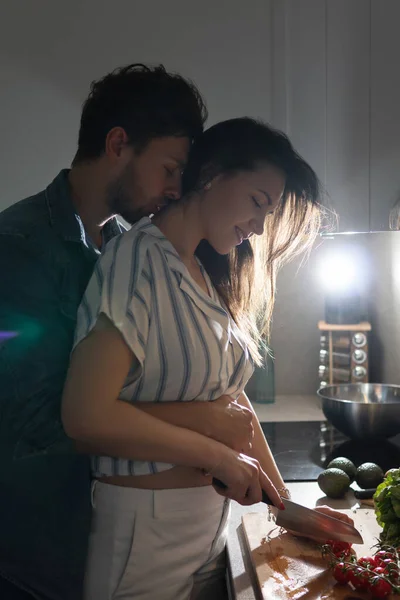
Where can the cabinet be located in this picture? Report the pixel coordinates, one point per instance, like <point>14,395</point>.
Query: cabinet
<point>337,95</point>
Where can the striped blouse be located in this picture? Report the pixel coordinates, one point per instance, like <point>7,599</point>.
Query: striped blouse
<point>186,344</point>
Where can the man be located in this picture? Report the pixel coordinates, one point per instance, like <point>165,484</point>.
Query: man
<point>136,129</point>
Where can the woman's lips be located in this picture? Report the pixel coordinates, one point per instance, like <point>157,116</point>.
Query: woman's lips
<point>240,235</point>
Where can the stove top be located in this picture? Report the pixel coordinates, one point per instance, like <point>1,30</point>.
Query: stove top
<point>303,449</point>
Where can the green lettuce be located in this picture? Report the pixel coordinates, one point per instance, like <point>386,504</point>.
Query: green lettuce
<point>387,508</point>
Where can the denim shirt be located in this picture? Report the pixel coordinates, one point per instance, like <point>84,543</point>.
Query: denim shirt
<point>45,264</point>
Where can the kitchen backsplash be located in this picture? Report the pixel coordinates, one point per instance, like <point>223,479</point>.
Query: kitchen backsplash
<point>300,305</point>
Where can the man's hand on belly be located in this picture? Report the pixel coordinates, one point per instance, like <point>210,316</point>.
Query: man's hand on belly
<point>223,419</point>
<point>230,424</point>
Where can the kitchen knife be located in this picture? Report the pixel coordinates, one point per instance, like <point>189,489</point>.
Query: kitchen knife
<point>309,522</point>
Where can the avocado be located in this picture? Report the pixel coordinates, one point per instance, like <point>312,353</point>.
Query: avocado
<point>334,482</point>
<point>369,475</point>
<point>345,465</point>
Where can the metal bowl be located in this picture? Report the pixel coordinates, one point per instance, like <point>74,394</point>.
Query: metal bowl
<point>362,410</point>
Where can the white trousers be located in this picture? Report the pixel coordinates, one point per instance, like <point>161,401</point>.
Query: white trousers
<point>156,544</point>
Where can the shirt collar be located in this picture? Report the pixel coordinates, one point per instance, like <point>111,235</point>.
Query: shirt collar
<point>210,306</point>
<point>63,216</point>
<point>174,260</point>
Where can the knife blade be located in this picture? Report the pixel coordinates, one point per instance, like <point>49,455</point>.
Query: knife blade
<point>309,522</point>
<point>312,523</point>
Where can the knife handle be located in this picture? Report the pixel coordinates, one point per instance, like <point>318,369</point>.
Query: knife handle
<point>220,484</point>
<point>364,494</point>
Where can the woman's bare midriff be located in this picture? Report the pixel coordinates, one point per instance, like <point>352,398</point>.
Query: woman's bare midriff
<point>177,477</point>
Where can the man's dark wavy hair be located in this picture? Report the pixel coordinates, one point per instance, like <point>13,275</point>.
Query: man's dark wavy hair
<point>147,102</point>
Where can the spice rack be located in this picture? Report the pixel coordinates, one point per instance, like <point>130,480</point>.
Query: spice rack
<point>343,354</point>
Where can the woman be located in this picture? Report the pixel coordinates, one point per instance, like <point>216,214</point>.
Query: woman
<point>176,311</point>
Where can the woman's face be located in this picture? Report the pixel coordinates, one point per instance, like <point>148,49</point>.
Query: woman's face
<point>234,208</point>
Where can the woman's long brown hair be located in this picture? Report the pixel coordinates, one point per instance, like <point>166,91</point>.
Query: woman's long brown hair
<point>246,277</point>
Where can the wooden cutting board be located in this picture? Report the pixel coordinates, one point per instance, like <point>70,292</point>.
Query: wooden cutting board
<point>292,568</point>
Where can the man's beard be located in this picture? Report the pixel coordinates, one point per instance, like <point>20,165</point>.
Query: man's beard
<point>121,202</point>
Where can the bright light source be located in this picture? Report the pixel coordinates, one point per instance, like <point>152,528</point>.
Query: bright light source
<point>338,272</point>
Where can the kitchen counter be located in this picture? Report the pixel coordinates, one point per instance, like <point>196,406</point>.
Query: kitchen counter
<point>241,576</point>
<point>290,408</point>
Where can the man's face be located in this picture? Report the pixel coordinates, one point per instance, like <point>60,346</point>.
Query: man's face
<point>149,179</point>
